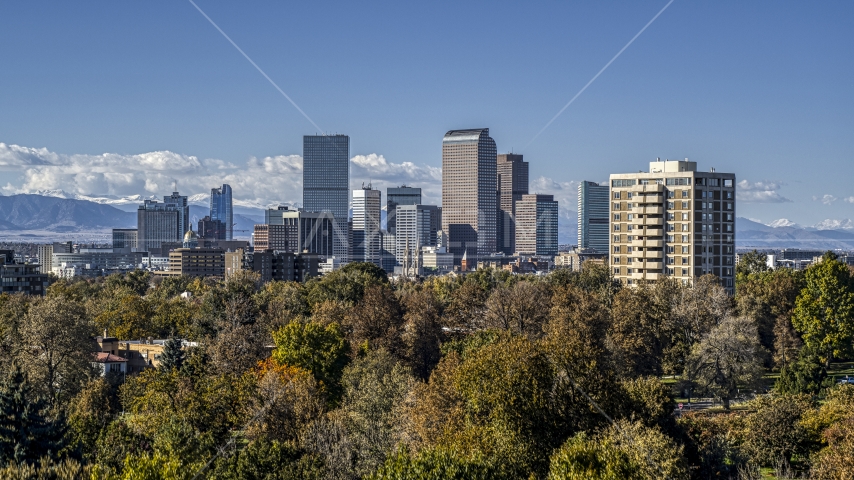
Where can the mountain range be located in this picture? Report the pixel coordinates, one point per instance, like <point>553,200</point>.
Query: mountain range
<point>59,212</point>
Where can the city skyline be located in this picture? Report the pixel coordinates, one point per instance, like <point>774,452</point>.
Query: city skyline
<point>760,100</point>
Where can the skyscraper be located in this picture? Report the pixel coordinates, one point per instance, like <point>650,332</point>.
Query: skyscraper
<point>367,241</point>
<point>469,192</point>
<point>183,209</point>
<point>401,195</point>
<point>417,227</point>
<point>536,225</point>
<point>512,184</point>
<point>221,209</point>
<point>326,183</point>
<point>593,216</point>
<point>157,223</point>
<point>673,221</point>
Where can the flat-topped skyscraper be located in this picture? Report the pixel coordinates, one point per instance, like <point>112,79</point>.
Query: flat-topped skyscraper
<point>326,174</point>
<point>469,192</point>
<point>512,184</point>
<point>326,183</point>
<point>367,239</point>
<point>396,196</point>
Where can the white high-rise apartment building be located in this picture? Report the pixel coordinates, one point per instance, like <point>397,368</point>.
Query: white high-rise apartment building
<point>367,240</point>
<point>673,221</point>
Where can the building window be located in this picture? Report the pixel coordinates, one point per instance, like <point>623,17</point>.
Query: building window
<point>670,227</point>
<point>671,260</point>
<point>616,206</point>
<point>671,216</point>
<point>671,193</point>
<point>628,249</point>
<point>630,216</point>
<point>684,227</point>
<point>685,249</point>
<point>670,238</point>
<point>616,195</point>
<point>616,249</point>
<point>670,205</point>
<point>685,217</point>
<point>684,205</point>
<point>616,238</point>
<point>616,228</point>
<point>616,270</point>
<point>684,193</point>
<point>629,238</point>
<point>684,272</point>
<point>670,271</point>
<point>617,216</point>
<point>728,206</point>
<point>671,249</point>
<point>729,195</point>
<point>728,182</point>
<point>629,271</point>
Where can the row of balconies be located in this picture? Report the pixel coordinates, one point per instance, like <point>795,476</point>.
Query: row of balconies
<point>647,243</point>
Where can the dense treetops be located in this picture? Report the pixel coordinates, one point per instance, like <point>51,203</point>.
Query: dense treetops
<point>490,375</point>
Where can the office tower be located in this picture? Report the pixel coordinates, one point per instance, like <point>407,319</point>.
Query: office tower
<point>536,225</point>
<point>183,209</point>
<point>593,216</point>
<point>272,237</point>
<point>221,210</point>
<point>124,240</point>
<point>512,184</point>
<point>469,193</point>
<point>212,229</point>
<point>388,253</point>
<point>307,231</point>
<point>401,195</point>
<point>45,254</point>
<point>326,183</point>
<point>417,227</point>
<point>367,242</point>
<point>673,221</point>
<point>157,223</point>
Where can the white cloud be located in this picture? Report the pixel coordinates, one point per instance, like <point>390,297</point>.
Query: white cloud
<point>759,192</point>
<point>848,199</point>
<point>263,181</point>
<point>566,194</point>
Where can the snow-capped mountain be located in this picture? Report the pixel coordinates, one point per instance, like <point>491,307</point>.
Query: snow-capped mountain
<point>831,224</point>
<point>783,222</point>
<point>101,199</point>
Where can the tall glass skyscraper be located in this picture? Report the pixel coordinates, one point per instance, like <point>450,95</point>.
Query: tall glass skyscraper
<point>396,196</point>
<point>470,193</point>
<point>593,221</point>
<point>512,184</point>
<point>326,184</point>
<point>221,209</point>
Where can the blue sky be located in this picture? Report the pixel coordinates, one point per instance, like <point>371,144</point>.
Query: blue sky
<point>763,89</point>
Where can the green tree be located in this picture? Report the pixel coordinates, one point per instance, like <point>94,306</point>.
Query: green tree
<point>422,331</point>
<point>774,429</point>
<point>434,463</point>
<point>26,432</point>
<point>56,347</point>
<point>751,262</point>
<point>313,347</point>
<point>347,284</point>
<point>89,412</point>
<point>638,334</point>
<point>824,311</point>
<point>807,374</point>
<point>376,321</point>
<point>583,458</point>
<point>729,357</point>
<point>269,460</point>
<point>173,354</point>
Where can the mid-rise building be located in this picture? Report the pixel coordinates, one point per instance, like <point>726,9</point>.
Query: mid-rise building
<point>388,252</point>
<point>20,277</point>
<point>46,251</point>
<point>212,229</point>
<point>512,184</point>
<point>124,239</point>
<point>326,184</point>
<point>310,232</point>
<point>417,227</point>
<point>469,193</point>
<point>593,214</point>
<point>395,196</point>
<point>536,225</point>
<point>96,262</point>
<point>196,262</point>
<point>273,237</point>
<point>367,239</point>
<point>273,265</point>
<point>673,221</point>
<point>221,210</point>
